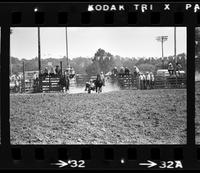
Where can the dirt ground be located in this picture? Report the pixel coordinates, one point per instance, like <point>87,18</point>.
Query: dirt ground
<point>118,117</point>
<point>197,110</point>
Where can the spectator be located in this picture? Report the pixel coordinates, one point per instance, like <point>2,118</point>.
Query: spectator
<point>121,71</point>
<point>178,67</point>
<point>45,72</point>
<point>58,71</point>
<point>35,76</point>
<point>115,71</point>
<point>136,71</point>
<point>52,71</point>
<point>127,71</point>
<point>170,69</point>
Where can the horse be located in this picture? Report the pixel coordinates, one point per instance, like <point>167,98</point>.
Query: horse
<point>15,86</point>
<point>99,83</point>
<point>64,83</point>
<point>15,83</point>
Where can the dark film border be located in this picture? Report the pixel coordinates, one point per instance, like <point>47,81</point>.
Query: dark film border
<point>98,156</point>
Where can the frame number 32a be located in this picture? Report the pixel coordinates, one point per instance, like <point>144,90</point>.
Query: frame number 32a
<point>170,164</point>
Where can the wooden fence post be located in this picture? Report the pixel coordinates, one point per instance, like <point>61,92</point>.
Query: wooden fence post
<point>61,67</point>
<point>49,83</point>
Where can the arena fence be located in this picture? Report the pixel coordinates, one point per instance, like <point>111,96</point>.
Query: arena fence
<point>125,81</point>
<point>170,82</point>
<point>131,82</point>
<point>50,84</point>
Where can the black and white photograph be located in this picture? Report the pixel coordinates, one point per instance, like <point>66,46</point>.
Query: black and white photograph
<point>197,84</point>
<point>98,85</point>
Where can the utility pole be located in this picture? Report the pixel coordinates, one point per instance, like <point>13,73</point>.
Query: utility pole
<point>175,49</point>
<point>67,48</point>
<point>39,55</point>
<point>162,39</point>
<point>39,60</point>
<point>11,31</point>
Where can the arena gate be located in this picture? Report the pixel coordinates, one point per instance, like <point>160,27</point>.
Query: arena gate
<point>125,81</point>
<point>50,84</point>
<point>170,82</point>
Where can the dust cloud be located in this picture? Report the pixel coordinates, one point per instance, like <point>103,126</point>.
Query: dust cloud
<point>110,87</point>
<point>76,90</point>
<point>107,88</point>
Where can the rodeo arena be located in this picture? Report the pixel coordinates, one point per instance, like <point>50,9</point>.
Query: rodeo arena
<point>54,79</point>
<point>57,105</point>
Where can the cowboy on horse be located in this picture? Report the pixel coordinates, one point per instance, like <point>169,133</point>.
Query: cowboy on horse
<point>95,84</point>
<point>99,82</point>
<point>102,78</point>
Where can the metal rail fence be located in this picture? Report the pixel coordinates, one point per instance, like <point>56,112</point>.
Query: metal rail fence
<point>131,82</point>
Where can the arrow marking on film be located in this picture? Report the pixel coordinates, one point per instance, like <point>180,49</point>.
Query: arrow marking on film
<point>60,163</point>
<point>149,164</point>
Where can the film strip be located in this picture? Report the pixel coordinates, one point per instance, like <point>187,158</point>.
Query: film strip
<point>136,155</point>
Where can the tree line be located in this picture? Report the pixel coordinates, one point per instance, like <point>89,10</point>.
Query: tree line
<point>102,61</point>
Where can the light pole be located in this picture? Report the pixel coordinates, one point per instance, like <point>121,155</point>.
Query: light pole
<point>11,31</point>
<point>175,49</point>
<point>67,47</point>
<point>162,39</point>
<point>39,59</point>
<point>39,54</point>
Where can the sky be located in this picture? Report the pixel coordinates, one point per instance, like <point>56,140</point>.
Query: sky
<point>85,41</point>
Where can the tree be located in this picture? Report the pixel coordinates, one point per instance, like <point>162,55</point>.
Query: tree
<point>147,67</point>
<point>102,61</point>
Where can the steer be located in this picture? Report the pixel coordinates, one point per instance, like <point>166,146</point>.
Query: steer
<point>90,86</point>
